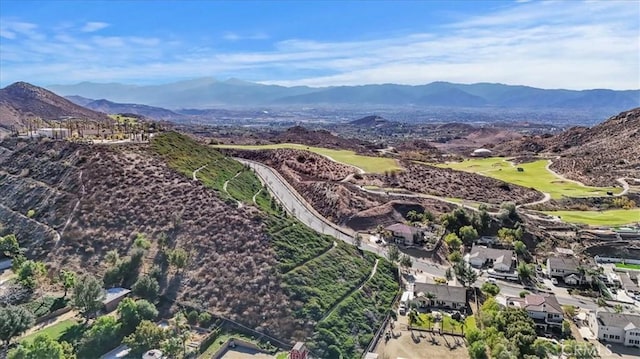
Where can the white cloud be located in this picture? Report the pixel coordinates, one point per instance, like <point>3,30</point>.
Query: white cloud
<point>554,44</point>
<point>94,26</point>
<point>234,36</point>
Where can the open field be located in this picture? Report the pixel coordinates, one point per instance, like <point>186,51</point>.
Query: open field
<point>534,175</point>
<point>612,217</point>
<point>628,266</point>
<point>367,163</point>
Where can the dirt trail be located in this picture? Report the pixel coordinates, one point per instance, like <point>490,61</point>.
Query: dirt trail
<point>196,172</point>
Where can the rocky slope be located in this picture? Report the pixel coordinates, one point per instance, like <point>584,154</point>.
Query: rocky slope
<point>21,102</point>
<point>88,200</point>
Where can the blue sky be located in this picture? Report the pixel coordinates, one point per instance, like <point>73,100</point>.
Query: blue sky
<point>550,44</point>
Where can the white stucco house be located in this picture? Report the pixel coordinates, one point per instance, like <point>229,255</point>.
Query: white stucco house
<point>500,260</point>
<point>545,310</point>
<point>623,328</point>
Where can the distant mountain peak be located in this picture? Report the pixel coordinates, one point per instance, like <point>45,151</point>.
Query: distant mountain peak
<point>371,120</point>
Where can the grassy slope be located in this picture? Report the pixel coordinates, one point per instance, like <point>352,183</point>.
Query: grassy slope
<point>54,332</point>
<point>367,163</point>
<point>628,266</point>
<point>613,217</point>
<point>535,175</point>
<point>318,279</point>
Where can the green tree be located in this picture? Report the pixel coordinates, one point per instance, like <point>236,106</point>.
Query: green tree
<point>133,312</point>
<point>465,274</point>
<point>103,335</point>
<point>192,317</point>
<point>146,287</point>
<point>112,257</point>
<point>455,257</point>
<point>9,245</point>
<point>141,242</point>
<point>478,350</point>
<point>524,271</point>
<point>68,279</point>
<point>468,234</point>
<point>32,273</point>
<point>178,258</point>
<point>413,317</point>
<point>204,319</point>
<point>490,289</point>
<point>448,274</point>
<point>42,347</point>
<point>147,336</point>
<point>453,242</point>
<point>406,261</point>
<point>393,254</point>
<point>172,348</point>
<point>14,320</point>
<point>88,295</point>
<point>412,216</point>
<point>569,310</point>
<point>520,248</point>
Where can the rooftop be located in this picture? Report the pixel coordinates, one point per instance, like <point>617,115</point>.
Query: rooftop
<point>627,321</point>
<point>564,263</point>
<point>115,293</point>
<point>402,228</point>
<point>536,302</point>
<point>442,292</point>
<point>497,255</point>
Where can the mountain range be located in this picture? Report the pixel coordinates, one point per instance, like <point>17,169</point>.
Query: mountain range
<point>209,92</point>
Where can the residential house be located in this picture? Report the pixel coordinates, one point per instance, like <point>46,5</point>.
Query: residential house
<point>561,267</point>
<point>621,328</point>
<point>500,260</point>
<point>629,285</point>
<point>544,309</point>
<point>428,295</point>
<point>405,234</point>
<point>299,351</point>
<point>113,298</point>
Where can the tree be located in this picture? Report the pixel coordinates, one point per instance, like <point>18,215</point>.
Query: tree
<point>465,274</point>
<point>468,234</point>
<point>393,254</point>
<point>68,279</point>
<point>31,273</point>
<point>88,295</point>
<point>412,216</point>
<point>42,347</point>
<point>448,274</point>
<point>133,312</point>
<point>357,240</point>
<point>520,247</point>
<point>178,258</point>
<point>508,211</point>
<point>103,335</point>
<point>566,328</point>
<point>406,261</point>
<point>147,336</point>
<point>490,289</point>
<point>14,320</point>
<point>455,257</point>
<point>478,350</point>
<point>9,245</point>
<point>112,257</point>
<point>453,242</point>
<point>141,242</point>
<point>413,317</point>
<point>569,310</point>
<point>524,271</point>
<point>147,288</point>
<point>192,317</point>
<point>172,347</point>
<point>204,319</point>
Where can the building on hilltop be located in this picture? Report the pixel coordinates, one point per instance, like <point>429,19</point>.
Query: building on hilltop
<point>544,309</point>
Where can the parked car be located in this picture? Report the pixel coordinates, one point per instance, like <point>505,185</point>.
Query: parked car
<point>402,309</point>
<point>554,281</point>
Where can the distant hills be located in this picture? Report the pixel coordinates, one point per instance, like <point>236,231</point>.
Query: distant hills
<point>22,102</point>
<point>106,106</point>
<point>208,92</point>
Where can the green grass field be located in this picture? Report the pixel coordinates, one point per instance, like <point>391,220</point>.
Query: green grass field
<point>613,217</point>
<point>534,175</point>
<point>367,163</point>
<point>628,266</point>
<point>124,119</point>
<point>54,331</point>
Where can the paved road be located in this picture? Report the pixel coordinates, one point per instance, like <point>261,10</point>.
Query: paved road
<point>305,213</point>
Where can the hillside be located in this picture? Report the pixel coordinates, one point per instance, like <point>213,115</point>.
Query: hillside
<point>21,102</point>
<point>371,121</point>
<point>595,156</point>
<point>155,113</point>
<point>70,204</point>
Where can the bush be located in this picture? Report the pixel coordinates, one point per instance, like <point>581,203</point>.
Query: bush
<point>204,319</point>
<point>192,317</point>
<point>147,288</point>
<point>31,213</point>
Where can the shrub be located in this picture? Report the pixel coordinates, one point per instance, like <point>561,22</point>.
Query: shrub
<point>204,319</point>
<point>31,213</point>
<point>192,317</point>
<point>147,288</point>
